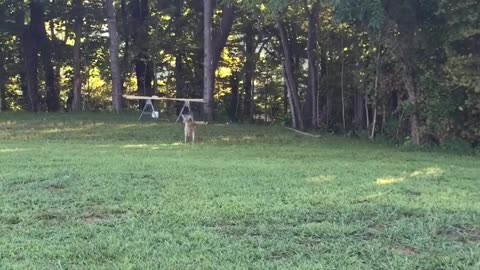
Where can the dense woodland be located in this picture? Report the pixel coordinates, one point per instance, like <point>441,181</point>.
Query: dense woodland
<point>407,70</point>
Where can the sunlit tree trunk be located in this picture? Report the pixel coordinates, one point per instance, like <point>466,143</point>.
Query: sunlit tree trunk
<point>297,119</point>
<point>208,70</point>
<point>114,57</point>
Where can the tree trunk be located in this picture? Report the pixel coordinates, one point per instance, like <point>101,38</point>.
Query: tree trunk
<point>180,90</point>
<point>154,61</point>
<point>323,113</point>
<point>297,118</point>
<point>375,89</point>
<point>329,108</point>
<point>77,75</point>
<point>384,117</point>
<point>179,80</point>
<point>342,75</point>
<point>208,60</point>
<point>367,113</point>
<point>52,93</point>
<point>3,73</point>
<point>22,49</point>
<point>213,51</point>
<point>30,47</point>
<point>289,96</point>
<point>311,113</point>
<point>285,98</point>
<point>409,82</point>
<point>343,92</point>
<point>37,17</point>
<point>249,72</point>
<point>405,52</point>
<point>125,63</point>
<point>198,72</point>
<point>54,50</point>
<point>144,75</point>
<point>408,78</point>
<point>234,85</point>
<point>143,63</point>
<point>114,58</point>
<point>30,54</point>
<point>359,110</point>
<point>221,37</point>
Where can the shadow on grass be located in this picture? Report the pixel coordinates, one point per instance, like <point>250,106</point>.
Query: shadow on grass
<point>374,230</point>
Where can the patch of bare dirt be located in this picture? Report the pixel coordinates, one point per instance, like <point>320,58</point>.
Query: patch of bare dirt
<point>56,188</point>
<point>93,218</point>
<point>405,251</point>
<point>52,217</point>
<point>469,234</point>
<point>96,215</point>
<point>373,231</point>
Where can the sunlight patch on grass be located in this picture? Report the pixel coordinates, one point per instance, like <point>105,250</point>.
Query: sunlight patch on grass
<point>135,146</point>
<point>389,180</point>
<point>151,146</point>
<point>63,129</point>
<point>136,126</point>
<point>430,172</point>
<point>163,145</point>
<point>13,150</point>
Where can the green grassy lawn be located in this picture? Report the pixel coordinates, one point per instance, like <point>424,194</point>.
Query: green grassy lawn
<point>107,192</point>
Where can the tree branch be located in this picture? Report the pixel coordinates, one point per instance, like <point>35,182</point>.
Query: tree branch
<point>220,38</point>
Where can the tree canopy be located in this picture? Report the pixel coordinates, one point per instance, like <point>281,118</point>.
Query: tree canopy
<point>407,70</point>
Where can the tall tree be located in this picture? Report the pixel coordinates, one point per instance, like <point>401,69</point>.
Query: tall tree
<point>289,76</point>
<point>208,83</point>
<point>248,85</point>
<point>77,74</point>
<point>30,52</point>
<point>117,90</point>
<point>143,61</point>
<point>179,52</point>
<point>405,15</point>
<point>37,17</point>
<point>310,111</point>
<point>221,35</point>
<point>3,73</point>
<point>214,42</point>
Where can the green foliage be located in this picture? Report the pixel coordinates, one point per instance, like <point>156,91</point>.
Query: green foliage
<point>83,191</point>
<point>270,6</point>
<point>463,61</point>
<point>370,12</point>
<point>458,145</point>
<point>462,47</point>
